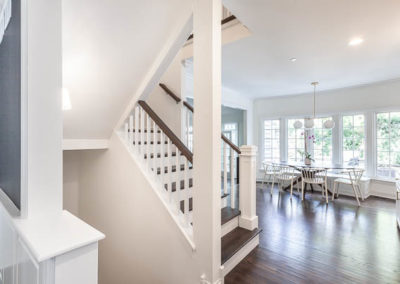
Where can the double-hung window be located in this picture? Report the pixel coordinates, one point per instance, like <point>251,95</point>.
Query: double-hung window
<point>321,140</point>
<point>295,141</point>
<point>271,140</point>
<point>388,144</point>
<point>353,147</point>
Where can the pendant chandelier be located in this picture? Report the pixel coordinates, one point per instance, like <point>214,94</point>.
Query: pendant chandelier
<point>309,122</point>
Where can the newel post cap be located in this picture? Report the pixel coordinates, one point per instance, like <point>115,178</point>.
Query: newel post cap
<point>248,150</point>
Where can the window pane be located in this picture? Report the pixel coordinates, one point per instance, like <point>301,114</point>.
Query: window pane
<point>295,141</point>
<point>322,141</point>
<point>271,140</point>
<point>388,144</point>
<point>353,140</point>
<point>347,121</point>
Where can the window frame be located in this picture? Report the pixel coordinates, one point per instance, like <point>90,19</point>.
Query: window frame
<point>366,159</point>
<point>312,148</point>
<point>287,138</point>
<point>375,141</point>
<point>262,152</point>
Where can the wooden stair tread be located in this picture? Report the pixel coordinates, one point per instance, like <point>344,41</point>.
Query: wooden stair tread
<point>151,143</point>
<point>228,213</point>
<point>173,170</point>
<point>145,130</point>
<point>182,185</point>
<point>173,154</point>
<point>232,242</point>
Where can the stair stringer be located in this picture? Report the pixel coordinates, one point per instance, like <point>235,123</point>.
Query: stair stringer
<point>158,189</point>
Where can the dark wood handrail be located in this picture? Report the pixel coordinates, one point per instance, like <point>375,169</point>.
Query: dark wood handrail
<point>228,19</point>
<point>169,92</point>
<point>229,142</point>
<point>164,128</point>
<point>223,22</point>
<point>186,104</point>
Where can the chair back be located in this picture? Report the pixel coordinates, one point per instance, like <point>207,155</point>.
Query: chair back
<point>270,168</point>
<point>314,175</point>
<point>355,175</point>
<point>286,172</point>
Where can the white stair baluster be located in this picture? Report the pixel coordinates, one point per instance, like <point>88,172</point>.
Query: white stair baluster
<point>155,147</point>
<point>232,179</point>
<point>162,159</point>
<point>225,169</point>
<point>178,179</point>
<point>136,133</point>
<point>187,127</point>
<point>142,149</point>
<point>169,167</point>
<point>131,130</point>
<point>148,138</point>
<point>186,190</point>
<point>126,132</point>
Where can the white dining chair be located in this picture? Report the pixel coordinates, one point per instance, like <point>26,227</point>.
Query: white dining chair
<point>270,171</point>
<point>286,174</point>
<point>317,176</point>
<point>353,179</point>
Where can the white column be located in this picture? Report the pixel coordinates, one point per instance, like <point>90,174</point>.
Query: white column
<point>207,138</point>
<point>247,188</point>
<point>42,127</point>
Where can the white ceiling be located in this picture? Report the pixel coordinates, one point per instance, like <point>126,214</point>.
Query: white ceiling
<point>108,46</point>
<point>316,33</point>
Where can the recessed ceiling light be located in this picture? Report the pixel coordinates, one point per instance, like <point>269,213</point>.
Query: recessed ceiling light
<point>293,59</point>
<point>356,41</point>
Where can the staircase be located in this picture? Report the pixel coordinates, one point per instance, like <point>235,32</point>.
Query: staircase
<point>168,164</point>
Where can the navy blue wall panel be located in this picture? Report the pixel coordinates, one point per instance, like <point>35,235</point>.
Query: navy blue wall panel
<point>10,107</point>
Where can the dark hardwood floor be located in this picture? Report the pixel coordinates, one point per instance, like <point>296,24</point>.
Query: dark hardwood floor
<point>312,242</point>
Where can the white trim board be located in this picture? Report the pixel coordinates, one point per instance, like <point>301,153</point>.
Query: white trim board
<point>85,144</point>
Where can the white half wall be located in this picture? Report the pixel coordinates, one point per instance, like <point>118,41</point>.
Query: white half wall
<point>143,243</point>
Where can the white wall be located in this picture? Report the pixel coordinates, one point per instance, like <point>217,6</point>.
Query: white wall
<point>164,106</point>
<point>143,243</point>
<point>365,99</point>
<point>71,175</point>
<point>238,116</point>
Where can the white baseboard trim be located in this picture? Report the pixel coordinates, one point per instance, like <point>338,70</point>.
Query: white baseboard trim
<point>85,144</point>
<point>229,226</point>
<point>240,255</point>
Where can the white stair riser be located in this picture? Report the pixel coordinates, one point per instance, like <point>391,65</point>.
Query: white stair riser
<point>229,226</point>
<point>240,255</point>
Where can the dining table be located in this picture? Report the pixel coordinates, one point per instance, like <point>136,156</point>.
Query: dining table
<point>301,166</point>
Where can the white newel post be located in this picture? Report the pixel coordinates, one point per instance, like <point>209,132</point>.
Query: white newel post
<point>247,187</point>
